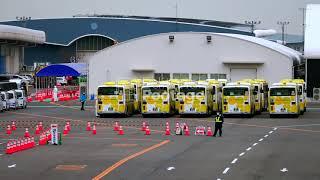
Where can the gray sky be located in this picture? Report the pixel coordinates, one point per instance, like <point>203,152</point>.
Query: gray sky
<point>267,11</point>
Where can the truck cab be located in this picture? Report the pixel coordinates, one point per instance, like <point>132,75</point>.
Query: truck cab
<point>21,99</point>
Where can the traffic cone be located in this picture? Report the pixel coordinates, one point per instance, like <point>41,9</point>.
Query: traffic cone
<point>33,144</point>
<point>116,126</point>
<point>37,130</point>
<point>9,148</point>
<point>65,131</point>
<point>120,132</point>
<point>13,126</point>
<point>144,124</point>
<point>40,126</point>
<point>14,147</point>
<point>167,124</point>
<point>209,131</point>
<point>68,126</point>
<point>167,133</point>
<point>88,126</point>
<point>177,125</point>
<point>94,130</point>
<point>26,133</point>
<point>148,132</point>
<point>8,130</point>
<point>186,131</point>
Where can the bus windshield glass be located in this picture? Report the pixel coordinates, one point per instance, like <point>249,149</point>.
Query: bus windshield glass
<point>282,92</point>
<point>195,90</point>
<point>152,90</point>
<point>236,91</point>
<point>110,91</point>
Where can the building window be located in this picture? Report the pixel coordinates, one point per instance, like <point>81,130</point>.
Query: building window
<point>162,76</point>
<point>180,76</point>
<point>218,76</point>
<point>93,43</point>
<point>197,77</point>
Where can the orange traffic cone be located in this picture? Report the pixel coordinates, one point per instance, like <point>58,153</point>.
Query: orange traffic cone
<point>26,133</point>
<point>167,124</point>
<point>88,126</point>
<point>37,130</point>
<point>68,126</point>
<point>94,130</point>
<point>9,148</point>
<point>120,132</point>
<point>186,131</point>
<point>65,131</point>
<point>116,126</point>
<point>148,132</point>
<point>209,131</point>
<point>13,126</point>
<point>40,126</point>
<point>143,128</point>
<point>8,130</point>
<point>167,131</point>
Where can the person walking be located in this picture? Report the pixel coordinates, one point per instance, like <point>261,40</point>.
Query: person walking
<point>218,124</point>
<point>83,99</point>
<point>55,94</point>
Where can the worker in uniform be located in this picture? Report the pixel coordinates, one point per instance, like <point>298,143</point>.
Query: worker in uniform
<point>83,99</point>
<point>55,94</point>
<point>218,124</point>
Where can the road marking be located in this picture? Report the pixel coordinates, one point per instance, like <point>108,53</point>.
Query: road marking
<point>254,144</point>
<point>70,167</point>
<point>126,139</point>
<point>270,132</point>
<point>12,166</point>
<point>170,168</point>
<point>124,160</point>
<point>260,139</point>
<point>124,145</point>
<point>275,129</point>
<point>234,161</point>
<point>249,148</point>
<point>242,154</point>
<point>284,170</point>
<point>266,135</point>
<point>226,170</point>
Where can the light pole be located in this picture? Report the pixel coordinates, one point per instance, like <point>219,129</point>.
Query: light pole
<point>283,24</point>
<point>252,24</point>
<point>303,25</point>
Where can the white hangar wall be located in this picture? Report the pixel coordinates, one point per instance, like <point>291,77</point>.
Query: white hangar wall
<point>237,56</point>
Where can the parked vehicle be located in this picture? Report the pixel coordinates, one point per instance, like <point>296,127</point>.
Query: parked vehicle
<point>13,101</point>
<point>62,81</point>
<point>5,100</point>
<point>21,98</point>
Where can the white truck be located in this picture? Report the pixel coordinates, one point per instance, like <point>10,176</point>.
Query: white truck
<point>13,101</point>
<point>21,99</point>
<point>4,100</point>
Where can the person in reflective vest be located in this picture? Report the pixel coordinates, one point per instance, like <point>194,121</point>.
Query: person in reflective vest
<point>218,124</point>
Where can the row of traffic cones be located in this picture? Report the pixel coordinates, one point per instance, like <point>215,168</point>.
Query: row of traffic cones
<point>94,129</point>
<point>45,137</point>
<point>20,145</point>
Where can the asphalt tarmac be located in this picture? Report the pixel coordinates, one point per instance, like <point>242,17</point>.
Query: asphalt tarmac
<point>250,148</point>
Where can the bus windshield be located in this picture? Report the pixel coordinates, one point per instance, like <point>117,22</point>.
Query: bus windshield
<point>282,92</point>
<point>236,91</point>
<point>152,90</point>
<point>109,91</point>
<point>196,90</point>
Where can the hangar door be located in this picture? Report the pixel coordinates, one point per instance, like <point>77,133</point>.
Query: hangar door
<point>242,73</point>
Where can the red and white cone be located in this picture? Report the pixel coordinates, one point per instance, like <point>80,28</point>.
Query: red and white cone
<point>8,130</point>
<point>37,130</point>
<point>88,126</point>
<point>65,131</point>
<point>68,126</point>
<point>143,128</point>
<point>177,125</point>
<point>26,133</point>
<point>167,133</point>
<point>94,130</point>
<point>40,126</point>
<point>148,132</point>
<point>13,126</point>
<point>186,131</point>
<point>116,126</point>
<point>209,131</point>
<point>120,132</point>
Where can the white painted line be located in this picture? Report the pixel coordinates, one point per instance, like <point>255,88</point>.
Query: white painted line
<point>298,125</point>
<point>1,154</point>
<point>218,179</point>
<point>249,148</point>
<point>270,132</point>
<point>12,166</point>
<point>284,170</point>
<point>234,161</point>
<point>170,168</point>
<point>266,135</point>
<point>275,129</point>
<point>254,144</point>
<point>226,170</point>
<point>260,139</point>
<point>242,154</point>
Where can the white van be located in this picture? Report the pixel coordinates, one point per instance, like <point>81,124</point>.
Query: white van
<point>5,100</point>
<point>22,100</point>
<point>13,101</point>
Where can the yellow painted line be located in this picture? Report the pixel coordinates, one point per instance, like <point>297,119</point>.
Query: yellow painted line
<point>70,167</point>
<point>124,160</point>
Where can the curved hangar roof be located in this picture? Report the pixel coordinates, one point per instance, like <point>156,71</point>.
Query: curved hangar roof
<point>22,34</point>
<point>66,30</point>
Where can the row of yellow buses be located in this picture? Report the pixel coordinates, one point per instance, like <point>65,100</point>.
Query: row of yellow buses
<point>187,97</point>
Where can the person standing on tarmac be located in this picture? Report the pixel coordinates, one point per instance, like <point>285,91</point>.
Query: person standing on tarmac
<point>218,124</point>
<point>83,99</point>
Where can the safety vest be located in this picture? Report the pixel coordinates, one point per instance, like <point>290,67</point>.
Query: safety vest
<point>218,119</point>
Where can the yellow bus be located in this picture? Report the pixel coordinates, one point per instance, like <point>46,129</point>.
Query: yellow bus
<point>301,92</point>
<point>115,98</point>
<point>176,83</point>
<point>157,99</point>
<point>264,93</point>
<point>258,94</point>
<point>137,83</point>
<point>216,94</point>
<point>195,98</point>
<point>284,99</point>
<point>238,99</point>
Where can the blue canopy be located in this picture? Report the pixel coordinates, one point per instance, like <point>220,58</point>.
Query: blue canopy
<point>71,69</point>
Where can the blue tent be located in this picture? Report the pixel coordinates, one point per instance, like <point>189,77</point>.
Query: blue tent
<point>66,69</point>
